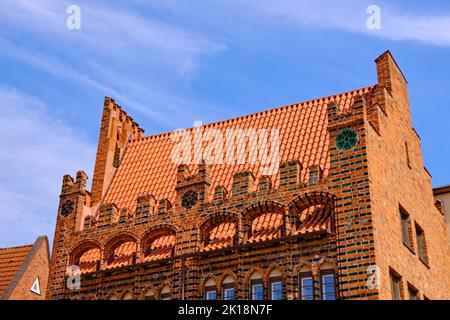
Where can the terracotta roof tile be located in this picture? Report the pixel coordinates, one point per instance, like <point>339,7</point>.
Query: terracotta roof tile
<point>161,248</point>
<point>89,261</point>
<point>124,255</point>
<point>266,227</point>
<point>221,236</point>
<point>314,218</point>
<point>147,167</point>
<point>10,261</point>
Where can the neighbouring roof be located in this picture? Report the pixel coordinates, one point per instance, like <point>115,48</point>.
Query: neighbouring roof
<point>441,190</point>
<point>11,259</point>
<point>147,166</point>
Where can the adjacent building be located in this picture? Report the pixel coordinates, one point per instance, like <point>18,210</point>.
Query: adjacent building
<point>322,199</point>
<point>24,271</point>
<point>442,196</point>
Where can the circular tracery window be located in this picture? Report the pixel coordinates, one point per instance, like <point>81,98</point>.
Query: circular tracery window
<point>346,139</point>
<point>189,199</point>
<point>67,208</point>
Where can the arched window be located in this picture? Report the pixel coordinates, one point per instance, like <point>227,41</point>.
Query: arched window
<point>122,254</point>
<point>89,261</point>
<point>327,281</point>
<point>256,286</point>
<point>165,293</point>
<point>159,247</point>
<point>113,297</point>
<point>313,218</point>
<point>86,256</point>
<point>150,295</point>
<point>228,288</point>
<point>266,226</point>
<point>221,236</point>
<point>276,285</point>
<point>210,289</point>
<point>306,284</point>
<point>127,296</point>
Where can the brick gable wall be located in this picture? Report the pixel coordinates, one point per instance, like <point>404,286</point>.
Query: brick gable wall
<point>363,189</point>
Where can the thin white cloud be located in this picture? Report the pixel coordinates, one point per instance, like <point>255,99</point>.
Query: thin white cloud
<point>37,150</point>
<point>117,52</point>
<point>396,23</point>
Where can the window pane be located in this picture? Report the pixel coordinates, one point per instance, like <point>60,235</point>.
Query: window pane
<point>276,290</point>
<point>395,287</point>
<point>328,287</point>
<point>165,296</point>
<point>307,288</point>
<point>228,294</point>
<point>211,295</point>
<point>257,292</point>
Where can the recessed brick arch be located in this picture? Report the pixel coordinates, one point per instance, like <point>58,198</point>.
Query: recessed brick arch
<point>308,200</point>
<point>205,279</point>
<point>155,232</point>
<point>250,273</point>
<point>225,275</point>
<point>255,210</point>
<point>116,240</point>
<point>326,260</point>
<point>272,267</point>
<point>82,247</point>
<point>214,220</point>
<point>301,264</point>
<point>161,288</point>
<point>146,290</point>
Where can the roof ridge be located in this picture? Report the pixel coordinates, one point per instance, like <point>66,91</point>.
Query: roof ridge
<point>17,247</point>
<point>300,103</point>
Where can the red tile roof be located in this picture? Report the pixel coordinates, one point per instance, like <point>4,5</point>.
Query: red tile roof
<point>314,218</point>
<point>161,248</point>
<point>221,236</point>
<point>89,261</point>
<point>124,255</point>
<point>266,227</point>
<point>10,261</point>
<point>147,167</point>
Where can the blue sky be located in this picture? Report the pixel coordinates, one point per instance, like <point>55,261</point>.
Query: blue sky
<point>170,62</point>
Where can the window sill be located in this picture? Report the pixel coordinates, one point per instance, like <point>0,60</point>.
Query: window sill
<point>424,262</point>
<point>409,248</point>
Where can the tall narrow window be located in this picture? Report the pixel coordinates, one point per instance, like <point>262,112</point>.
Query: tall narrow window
<point>228,288</point>
<point>127,296</point>
<point>150,295</point>
<point>408,159</point>
<point>256,286</point>
<point>405,224</point>
<point>421,244</point>
<point>328,285</point>
<point>276,285</point>
<point>306,286</point>
<point>165,293</point>
<point>210,290</point>
<point>413,293</point>
<point>395,286</point>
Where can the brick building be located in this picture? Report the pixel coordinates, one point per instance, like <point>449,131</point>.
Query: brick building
<point>348,213</point>
<point>24,271</point>
<point>442,197</point>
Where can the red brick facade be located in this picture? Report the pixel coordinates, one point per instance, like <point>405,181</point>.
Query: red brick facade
<point>23,268</point>
<point>151,228</point>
